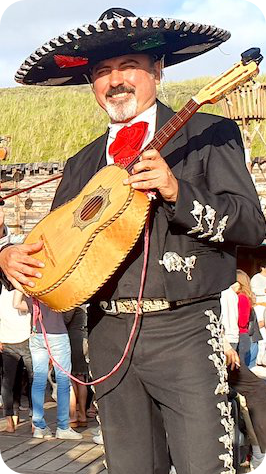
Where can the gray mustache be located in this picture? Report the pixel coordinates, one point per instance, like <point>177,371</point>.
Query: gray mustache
<point>119,90</point>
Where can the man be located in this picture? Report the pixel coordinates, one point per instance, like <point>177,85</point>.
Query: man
<point>174,379</point>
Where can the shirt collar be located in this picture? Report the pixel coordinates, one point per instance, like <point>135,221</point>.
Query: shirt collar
<point>149,116</point>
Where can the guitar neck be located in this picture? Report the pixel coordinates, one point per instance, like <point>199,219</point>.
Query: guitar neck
<point>169,129</point>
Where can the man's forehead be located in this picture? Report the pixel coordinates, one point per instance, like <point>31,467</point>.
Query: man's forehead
<point>138,58</point>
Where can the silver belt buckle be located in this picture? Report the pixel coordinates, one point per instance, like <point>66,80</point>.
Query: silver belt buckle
<point>108,307</point>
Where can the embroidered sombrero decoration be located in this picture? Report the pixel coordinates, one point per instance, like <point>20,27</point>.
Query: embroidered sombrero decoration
<point>67,59</point>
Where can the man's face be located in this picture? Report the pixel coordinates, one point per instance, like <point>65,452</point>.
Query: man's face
<point>126,86</point>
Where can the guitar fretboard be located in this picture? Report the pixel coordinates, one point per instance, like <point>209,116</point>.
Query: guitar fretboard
<point>168,130</point>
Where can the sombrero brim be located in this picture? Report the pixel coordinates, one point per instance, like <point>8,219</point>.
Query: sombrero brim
<point>67,59</point>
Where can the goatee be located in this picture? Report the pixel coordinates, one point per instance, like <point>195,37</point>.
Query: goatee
<point>123,109</point>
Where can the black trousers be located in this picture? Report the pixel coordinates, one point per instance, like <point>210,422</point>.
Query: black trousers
<point>174,387</point>
<point>254,390</point>
<point>11,355</point>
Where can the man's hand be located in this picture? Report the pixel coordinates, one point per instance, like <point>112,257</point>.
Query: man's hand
<point>232,359</point>
<point>1,347</point>
<point>18,264</point>
<point>152,172</point>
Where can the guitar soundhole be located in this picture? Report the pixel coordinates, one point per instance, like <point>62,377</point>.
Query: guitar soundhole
<point>91,208</point>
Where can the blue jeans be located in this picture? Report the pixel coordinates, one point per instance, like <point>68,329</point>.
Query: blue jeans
<point>60,350</point>
<point>251,356</point>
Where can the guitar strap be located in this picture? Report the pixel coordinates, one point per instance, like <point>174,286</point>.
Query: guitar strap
<point>37,316</point>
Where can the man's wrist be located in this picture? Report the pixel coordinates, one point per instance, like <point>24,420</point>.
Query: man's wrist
<point>5,239</point>
<point>2,231</point>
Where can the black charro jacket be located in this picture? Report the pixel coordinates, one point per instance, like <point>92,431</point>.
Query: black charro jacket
<point>207,158</point>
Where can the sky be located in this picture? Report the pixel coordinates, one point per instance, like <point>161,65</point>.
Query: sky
<point>27,24</point>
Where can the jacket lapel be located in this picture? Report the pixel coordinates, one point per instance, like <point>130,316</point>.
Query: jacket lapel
<point>164,114</point>
<point>174,161</point>
<point>95,160</point>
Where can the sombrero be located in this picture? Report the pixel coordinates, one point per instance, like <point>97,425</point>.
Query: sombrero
<point>67,59</point>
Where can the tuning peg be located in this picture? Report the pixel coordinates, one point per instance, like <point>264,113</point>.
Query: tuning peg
<point>228,101</point>
<point>256,85</point>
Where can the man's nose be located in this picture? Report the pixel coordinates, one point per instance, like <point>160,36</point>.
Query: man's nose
<point>116,78</point>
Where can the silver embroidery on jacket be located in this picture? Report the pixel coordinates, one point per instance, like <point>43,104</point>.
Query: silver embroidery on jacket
<point>174,263</point>
<point>210,219</point>
<point>218,237</point>
<point>197,213</point>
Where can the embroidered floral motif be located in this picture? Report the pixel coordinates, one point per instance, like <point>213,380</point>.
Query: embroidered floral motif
<point>210,219</point>
<point>218,237</point>
<point>216,345</point>
<point>219,360</point>
<point>197,213</point>
<point>174,263</point>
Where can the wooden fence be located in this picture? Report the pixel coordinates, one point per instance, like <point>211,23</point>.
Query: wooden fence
<point>23,211</point>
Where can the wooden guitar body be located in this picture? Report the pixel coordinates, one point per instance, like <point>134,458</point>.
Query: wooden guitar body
<point>86,239</point>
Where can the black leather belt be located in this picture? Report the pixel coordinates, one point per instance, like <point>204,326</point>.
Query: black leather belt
<point>147,305</point>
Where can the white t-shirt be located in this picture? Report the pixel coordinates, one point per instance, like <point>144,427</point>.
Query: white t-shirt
<point>261,316</point>
<point>258,286</point>
<point>15,327</point>
<point>229,315</point>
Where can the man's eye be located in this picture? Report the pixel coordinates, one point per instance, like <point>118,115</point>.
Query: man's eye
<point>101,72</point>
<point>128,66</point>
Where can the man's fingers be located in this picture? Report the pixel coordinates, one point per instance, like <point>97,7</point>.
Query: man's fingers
<point>32,248</point>
<point>150,155</point>
<point>143,177</point>
<point>28,271</point>
<point>17,285</point>
<point>30,261</point>
<point>22,279</point>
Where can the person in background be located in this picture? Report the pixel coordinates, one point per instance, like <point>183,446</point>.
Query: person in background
<point>255,339</point>
<point>173,380</point>
<point>15,329</point>
<point>261,318</point>
<point>58,340</point>
<point>229,316</point>
<point>251,389</point>
<point>258,284</point>
<point>246,300</point>
<point>76,323</point>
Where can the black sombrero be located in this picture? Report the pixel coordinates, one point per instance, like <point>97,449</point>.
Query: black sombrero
<point>67,59</point>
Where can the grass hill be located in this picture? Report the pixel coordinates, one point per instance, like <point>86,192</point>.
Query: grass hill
<point>53,123</point>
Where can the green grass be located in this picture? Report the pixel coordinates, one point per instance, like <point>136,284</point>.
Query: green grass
<point>53,123</point>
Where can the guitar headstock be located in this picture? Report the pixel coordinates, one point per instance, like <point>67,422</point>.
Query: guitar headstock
<point>234,77</point>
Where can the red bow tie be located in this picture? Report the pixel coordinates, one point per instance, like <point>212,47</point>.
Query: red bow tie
<point>128,142</point>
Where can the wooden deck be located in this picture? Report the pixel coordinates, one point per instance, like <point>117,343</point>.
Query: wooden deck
<point>27,455</point>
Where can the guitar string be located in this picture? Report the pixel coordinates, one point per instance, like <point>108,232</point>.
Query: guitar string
<point>168,130</point>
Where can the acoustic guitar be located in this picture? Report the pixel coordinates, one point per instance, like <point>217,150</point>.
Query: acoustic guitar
<point>86,239</point>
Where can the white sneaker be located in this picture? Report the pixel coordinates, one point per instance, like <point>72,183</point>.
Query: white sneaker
<point>42,433</point>
<point>1,401</point>
<point>98,439</point>
<point>69,433</point>
<point>96,431</point>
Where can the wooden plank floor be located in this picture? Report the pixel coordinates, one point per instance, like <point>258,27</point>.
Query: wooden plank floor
<point>27,455</point>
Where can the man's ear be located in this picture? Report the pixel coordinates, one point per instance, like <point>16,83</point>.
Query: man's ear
<point>157,72</point>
